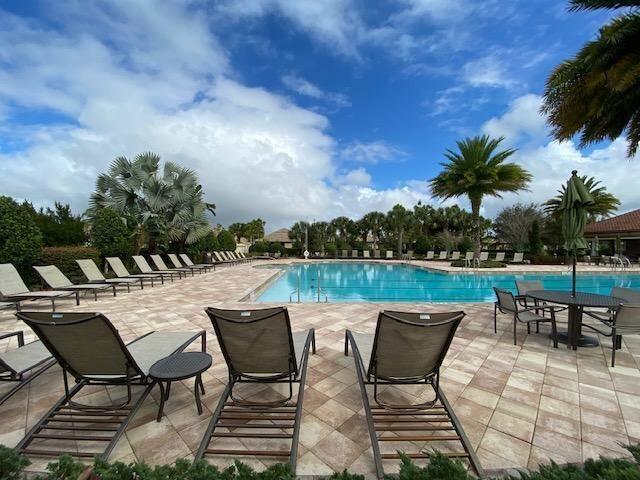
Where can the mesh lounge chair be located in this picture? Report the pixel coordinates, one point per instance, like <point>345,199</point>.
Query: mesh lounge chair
<point>389,254</point>
<point>376,254</point>
<point>88,347</point>
<point>506,303</point>
<point>455,256</point>
<point>354,253</point>
<point>468,259</point>
<point>58,281</point>
<point>430,255</point>
<point>409,255</point>
<point>121,271</point>
<point>408,349</point>
<point>259,347</point>
<point>173,258</point>
<point>443,255</point>
<point>484,256</point>
<point>162,267</point>
<point>144,267</point>
<point>94,275</point>
<point>221,259</point>
<point>366,254</point>
<point>518,258</point>
<point>500,257</point>
<point>13,288</point>
<point>344,254</point>
<point>189,263</point>
<point>238,257</point>
<point>22,364</point>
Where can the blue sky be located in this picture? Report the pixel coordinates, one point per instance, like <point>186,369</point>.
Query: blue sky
<point>287,110</point>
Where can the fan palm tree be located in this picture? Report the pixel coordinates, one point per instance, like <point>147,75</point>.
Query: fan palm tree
<point>399,220</point>
<point>157,205</point>
<point>476,171</point>
<point>374,222</point>
<point>596,92</point>
<point>604,203</point>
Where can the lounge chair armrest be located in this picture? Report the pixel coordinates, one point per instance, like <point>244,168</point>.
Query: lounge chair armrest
<point>18,334</point>
<point>551,308</point>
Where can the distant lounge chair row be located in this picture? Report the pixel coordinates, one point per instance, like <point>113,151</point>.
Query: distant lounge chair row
<point>259,347</point>
<point>13,289</point>
<point>484,256</point>
<point>389,255</point>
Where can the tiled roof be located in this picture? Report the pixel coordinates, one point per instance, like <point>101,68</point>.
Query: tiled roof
<point>625,223</point>
<point>281,235</point>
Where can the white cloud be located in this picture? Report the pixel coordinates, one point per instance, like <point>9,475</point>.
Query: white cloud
<point>487,71</point>
<point>372,152</point>
<point>303,87</point>
<point>257,153</point>
<point>521,120</point>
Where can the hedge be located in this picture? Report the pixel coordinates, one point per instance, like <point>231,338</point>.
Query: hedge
<point>440,467</point>
<point>65,259</point>
<point>110,235</point>
<point>20,238</point>
<point>483,264</point>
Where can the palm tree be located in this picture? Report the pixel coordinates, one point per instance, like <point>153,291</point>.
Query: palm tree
<point>344,227</point>
<point>168,204</point>
<point>476,171</point>
<point>399,220</point>
<point>604,203</point>
<point>596,92</point>
<point>375,224</point>
<point>298,233</point>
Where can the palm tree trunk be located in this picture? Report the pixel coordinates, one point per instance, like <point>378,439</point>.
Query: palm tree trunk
<point>400,235</point>
<point>477,235</point>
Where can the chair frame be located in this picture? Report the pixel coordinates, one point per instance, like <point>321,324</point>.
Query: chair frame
<point>110,418</point>
<point>382,418</point>
<point>11,375</point>
<point>239,410</point>
<point>616,340</point>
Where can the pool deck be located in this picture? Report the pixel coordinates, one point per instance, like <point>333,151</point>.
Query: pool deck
<point>520,405</point>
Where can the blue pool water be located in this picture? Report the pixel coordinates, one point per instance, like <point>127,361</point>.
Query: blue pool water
<point>379,282</point>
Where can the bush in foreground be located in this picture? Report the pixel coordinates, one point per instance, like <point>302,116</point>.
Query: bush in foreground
<point>440,467</point>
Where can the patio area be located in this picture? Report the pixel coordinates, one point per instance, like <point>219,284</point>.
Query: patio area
<point>519,405</point>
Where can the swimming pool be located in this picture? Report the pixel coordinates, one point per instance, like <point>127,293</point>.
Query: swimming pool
<point>380,282</point>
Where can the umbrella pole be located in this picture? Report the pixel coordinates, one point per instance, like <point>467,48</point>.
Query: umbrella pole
<point>573,280</point>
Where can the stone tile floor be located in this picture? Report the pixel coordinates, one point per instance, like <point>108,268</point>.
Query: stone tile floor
<point>520,405</point>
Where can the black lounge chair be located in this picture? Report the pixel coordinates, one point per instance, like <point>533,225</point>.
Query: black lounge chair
<point>408,349</point>
<point>22,364</point>
<point>259,347</point>
<point>88,347</point>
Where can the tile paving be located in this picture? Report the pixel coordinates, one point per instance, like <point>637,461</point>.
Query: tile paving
<point>520,405</point>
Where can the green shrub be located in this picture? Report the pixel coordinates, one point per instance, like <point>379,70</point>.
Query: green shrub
<point>110,234</point>
<point>466,244</point>
<point>547,260</point>
<point>226,241</point>
<point>423,244</point>
<point>206,244</point>
<point>484,264</point>
<point>20,238</point>
<point>330,249</point>
<point>259,247</point>
<point>59,226</point>
<point>276,248</point>
<point>12,464</point>
<point>65,259</point>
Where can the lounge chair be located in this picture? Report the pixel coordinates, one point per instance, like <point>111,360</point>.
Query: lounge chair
<point>484,256</point>
<point>121,271</point>
<point>4,305</point>
<point>144,267</point>
<point>408,349</point>
<point>258,347</point>
<point>22,364</point>
<point>354,253</point>
<point>202,267</point>
<point>243,256</point>
<point>58,281</point>
<point>13,288</point>
<point>344,254</point>
<point>443,255</point>
<point>430,255</point>
<point>518,258</point>
<point>88,347</point>
<point>409,255</point>
<point>506,303</point>
<point>500,257</point>
<point>455,256</point>
<point>468,259</point>
<point>389,254</point>
<point>376,254</point>
<point>233,257</point>
<point>173,258</point>
<point>94,275</point>
<point>222,260</point>
<point>162,267</point>
<point>366,254</point>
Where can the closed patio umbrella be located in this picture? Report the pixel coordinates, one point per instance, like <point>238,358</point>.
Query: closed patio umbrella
<point>574,219</point>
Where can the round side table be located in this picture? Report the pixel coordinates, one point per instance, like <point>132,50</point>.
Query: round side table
<point>180,366</point>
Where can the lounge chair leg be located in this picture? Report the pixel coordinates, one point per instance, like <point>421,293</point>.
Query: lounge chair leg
<point>95,295</point>
<point>528,328</point>
<point>346,343</point>
<point>514,330</point>
<point>77,297</point>
<point>538,326</point>
<point>128,288</point>
<point>495,318</point>
<point>613,352</point>
<point>114,291</point>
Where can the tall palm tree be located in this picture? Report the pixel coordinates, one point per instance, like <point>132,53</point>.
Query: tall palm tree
<point>476,171</point>
<point>604,203</point>
<point>343,226</point>
<point>158,204</point>
<point>375,224</point>
<point>596,92</point>
<point>399,220</point>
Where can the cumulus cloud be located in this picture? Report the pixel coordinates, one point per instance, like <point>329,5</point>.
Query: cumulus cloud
<point>257,153</point>
<point>487,71</point>
<point>521,120</point>
<point>304,87</point>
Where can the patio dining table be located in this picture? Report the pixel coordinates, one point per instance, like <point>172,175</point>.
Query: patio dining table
<point>576,303</point>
